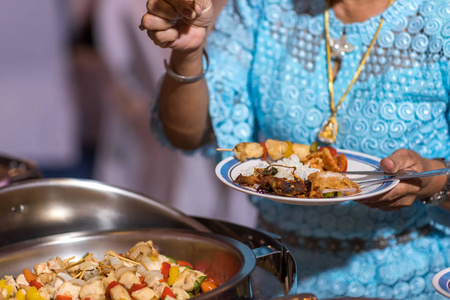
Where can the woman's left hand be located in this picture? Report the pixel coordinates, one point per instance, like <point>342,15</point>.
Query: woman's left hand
<point>406,192</point>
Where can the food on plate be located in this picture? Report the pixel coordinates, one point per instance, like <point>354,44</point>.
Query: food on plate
<point>331,184</point>
<point>141,274</point>
<point>292,177</point>
<point>271,148</point>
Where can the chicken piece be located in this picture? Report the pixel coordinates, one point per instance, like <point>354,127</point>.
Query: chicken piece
<point>110,277</point>
<point>41,268</point>
<point>55,263</point>
<point>331,184</point>
<point>144,294</point>
<point>159,288</point>
<point>94,287</point>
<point>119,293</point>
<point>45,278</point>
<point>180,294</point>
<point>68,289</point>
<point>141,249</point>
<point>47,292</point>
<point>301,150</point>
<point>128,279</point>
<point>244,151</point>
<point>21,281</point>
<point>276,149</point>
<point>185,280</point>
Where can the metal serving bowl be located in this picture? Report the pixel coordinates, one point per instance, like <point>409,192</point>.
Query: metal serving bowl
<point>225,259</point>
<point>43,207</point>
<point>68,215</point>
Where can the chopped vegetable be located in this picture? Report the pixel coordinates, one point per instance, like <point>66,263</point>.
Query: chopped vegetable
<point>333,151</point>
<point>8,288</point>
<point>198,284</point>
<point>167,292</point>
<point>213,280</point>
<point>28,276</point>
<point>314,147</point>
<point>33,294</point>
<point>269,171</point>
<point>183,263</point>
<point>172,260</point>
<point>136,287</point>
<point>20,295</point>
<point>110,286</point>
<point>207,286</point>
<point>35,283</point>
<point>289,150</point>
<point>331,195</point>
<point>174,272</point>
<point>165,270</point>
<point>63,297</point>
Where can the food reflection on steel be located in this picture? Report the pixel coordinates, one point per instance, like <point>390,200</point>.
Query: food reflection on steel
<point>141,273</point>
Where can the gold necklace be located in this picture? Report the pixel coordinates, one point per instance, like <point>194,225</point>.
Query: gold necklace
<point>329,129</point>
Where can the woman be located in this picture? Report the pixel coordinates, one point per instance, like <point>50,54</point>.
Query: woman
<point>273,74</point>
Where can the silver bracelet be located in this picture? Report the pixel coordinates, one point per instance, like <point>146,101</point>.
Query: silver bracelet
<point>443,194</point>
<point>187,79</point>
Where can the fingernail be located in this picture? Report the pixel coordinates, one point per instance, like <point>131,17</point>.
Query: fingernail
<point>189,13</point>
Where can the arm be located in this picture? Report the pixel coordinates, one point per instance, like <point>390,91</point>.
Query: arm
<point>183,107</point>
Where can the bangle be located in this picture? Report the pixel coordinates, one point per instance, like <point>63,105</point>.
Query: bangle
<point>187,79</point>
<point>443,194</point>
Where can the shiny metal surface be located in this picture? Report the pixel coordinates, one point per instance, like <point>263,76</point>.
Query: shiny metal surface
<point>278,274</point>
<point>14,169</point>
<point>42,207</point>
<point>45,207</point>
<point>226,259</point>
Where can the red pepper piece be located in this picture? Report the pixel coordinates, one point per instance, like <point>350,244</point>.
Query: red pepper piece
<point>165,270</point>
<point>136,287</point>
<point>183,263</point>
<point>167,292</point>
<point>110,286</point>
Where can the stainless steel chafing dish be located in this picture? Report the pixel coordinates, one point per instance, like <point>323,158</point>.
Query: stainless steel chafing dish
<point>42,218</point>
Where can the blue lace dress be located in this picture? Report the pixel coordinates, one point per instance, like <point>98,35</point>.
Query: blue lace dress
<point>268,79</point>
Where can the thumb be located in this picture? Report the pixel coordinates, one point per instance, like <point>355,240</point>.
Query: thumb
<point>399,160</point>
<point>186,8</point>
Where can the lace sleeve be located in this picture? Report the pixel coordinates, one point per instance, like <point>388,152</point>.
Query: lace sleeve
<point>231,46</point>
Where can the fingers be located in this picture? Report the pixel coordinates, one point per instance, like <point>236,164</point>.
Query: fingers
<point>162,9</point>
<point>403,195</point>
<point>187,8</point>
<point>152,22</point>
<point>163,38</point>
<point>400,160</point>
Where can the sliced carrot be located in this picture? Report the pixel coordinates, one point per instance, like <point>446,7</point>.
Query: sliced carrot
<point>63,297</point>
<point>28,276</point>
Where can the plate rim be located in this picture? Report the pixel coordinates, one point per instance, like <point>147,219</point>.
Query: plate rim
<point>362,157</point>
<point>436,282</point>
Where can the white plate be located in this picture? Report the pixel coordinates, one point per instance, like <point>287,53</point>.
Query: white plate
<point>229,168</point>
<point>441,282</point>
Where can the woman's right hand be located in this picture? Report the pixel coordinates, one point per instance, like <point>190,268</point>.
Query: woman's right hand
<point>178,24</point>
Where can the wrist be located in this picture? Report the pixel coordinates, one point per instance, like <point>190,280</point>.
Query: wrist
<point>442,183</point>
<point>187,63</point>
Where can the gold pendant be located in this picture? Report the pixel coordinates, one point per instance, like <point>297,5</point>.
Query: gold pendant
<point>328,131</point>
